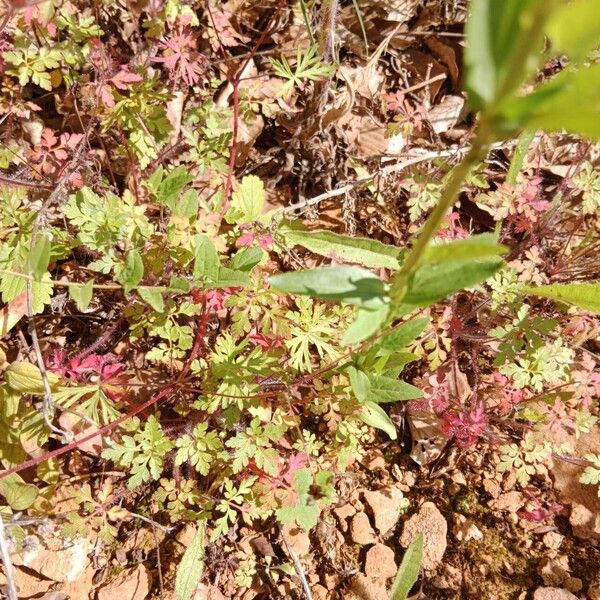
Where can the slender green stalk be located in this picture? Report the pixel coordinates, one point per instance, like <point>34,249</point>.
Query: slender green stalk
<point>516,164</point>
<point>307,22</point>
<point>448,198</point>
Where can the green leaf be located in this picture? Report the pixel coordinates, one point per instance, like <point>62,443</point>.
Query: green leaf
<point>370,253</point>
<point>133,272</point>
<point>231,278</point>
<point>367,322</point>
<point>169,188</point>
<point>435,282</point>
<point>551,106</point>
<point>82,294</point>
<point>39,257</point>
<point>187,207</point>
<point>582,295</point>
<point>189,570</point>
<point>477,246</point>
<point>373,415</point>
<point>206,259</point>
<point>403,335</point>
<point>408,571</point>
<point>246,258</point>
<point>154,297</point>
<point>352,285</point>
<point>574,28</point>
<point>179,284</point>
<point>360,382</point>
<point>495,32</point>
<point>388,389</point>
<point>18,494</point>
<point>247,201</point>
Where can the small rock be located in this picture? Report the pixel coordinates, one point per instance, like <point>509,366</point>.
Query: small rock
<point>458,477</point>
<point>361,530</point>
<point>133,584</point>
<point>386,504</point>
<point>342,513</point>
<point>585,523</point>
<point>553,593</point>
<point>553,540</point>
<point>207,592</point>
<point>594,592</point>
<point>554,571</point>
<point>364,588</point>
<point>28,584</point>
<point>380,563</point>
<point>375,461</point>
<point>449,579</point>
<point>331,580</point>
<point>187,534</point>
<point>464,529</point>
<point>510,502</point>
<point>409,479</point>
<point>297,539</point>
<point>574,584</point>
<point>60,564</point>
<point>492,487</point>
<point>319,592</point>
<point>262,546</point>
<point>431,523</point>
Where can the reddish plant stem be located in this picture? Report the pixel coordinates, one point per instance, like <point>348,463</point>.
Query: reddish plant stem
<point>23,183</point>
<point>235,82</point>
<point>200,333</point>
<point>32,462</point>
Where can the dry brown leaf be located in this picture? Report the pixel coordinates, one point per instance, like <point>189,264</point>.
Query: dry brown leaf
<point>446,114</point>
<point>446,54</point>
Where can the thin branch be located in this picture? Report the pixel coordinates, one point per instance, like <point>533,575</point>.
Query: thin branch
<point>297,566</point>
<point>11,586</point>
<point>364,180</point>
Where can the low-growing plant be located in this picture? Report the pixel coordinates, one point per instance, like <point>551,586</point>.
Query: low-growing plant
<point>234,392</point>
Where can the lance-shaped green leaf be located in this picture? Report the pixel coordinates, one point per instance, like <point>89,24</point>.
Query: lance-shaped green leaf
<point>247,201</point>
<point>408,571</point>
<point>82,294</point>
<point>402,336</point>
<point>169,188</point>
<point>435,282</point>
<point>574,28</point>
<point>582,295</point>
<point>373,415</point>
<point>370,253</point>
<point>367,322</point>
<point>191,566</point>
<point>133,272</point>
<point>570,102</point>
<point>352,285</point>
<point>388,389</point>
<point>154,297</point>
<point>496,35</point>
<point>206,259</point>
<point>360,383</point>
<point>18,494</point>
<point>39,257</point>
<point>476,246</point>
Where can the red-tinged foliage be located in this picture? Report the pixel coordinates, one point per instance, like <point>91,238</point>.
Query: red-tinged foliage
<point>466,426</point>
<point>181,59</point>
<point>101,367</point>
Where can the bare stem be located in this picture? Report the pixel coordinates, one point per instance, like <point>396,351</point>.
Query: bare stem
<point>11,587</point>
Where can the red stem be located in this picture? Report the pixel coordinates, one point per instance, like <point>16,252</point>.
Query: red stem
<point>32,462</point>
<point>235,81</point>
